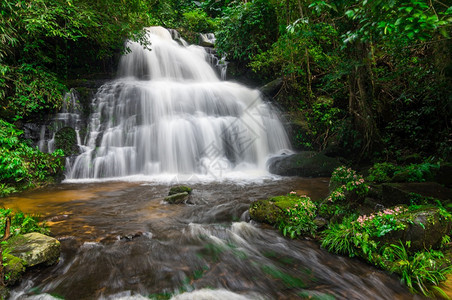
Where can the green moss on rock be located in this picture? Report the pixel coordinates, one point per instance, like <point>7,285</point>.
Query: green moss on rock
<point>271,210</point>
<point>34,249</point>
<point>14,267</point>
<point>179,189</point>
<point>66,139</point>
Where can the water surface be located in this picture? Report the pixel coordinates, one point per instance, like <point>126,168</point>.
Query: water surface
<point>121,240</point>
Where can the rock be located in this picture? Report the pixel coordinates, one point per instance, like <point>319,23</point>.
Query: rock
<point>321,223</point>
<point>265,211</point>
<point>35,249</point>
<point>180,189</point>
<point>177,198</point>
<point>4,292</point>
<point>272,88</point>
<point>14,267</point>
<point>404,193</point>
<point>66,139</point>
<point>444,174</point>
<point>304,164</point>
<point>205,41</point>
<point>425,229</point>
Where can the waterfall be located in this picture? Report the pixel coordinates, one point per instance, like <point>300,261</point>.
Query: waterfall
<point>169,113</point>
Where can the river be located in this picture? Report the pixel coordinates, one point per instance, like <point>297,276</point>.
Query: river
<point>121,240</point>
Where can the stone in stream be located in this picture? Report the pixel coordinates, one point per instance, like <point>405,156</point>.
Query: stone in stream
<point>35,249</point>
<point>179,189</point>
<point>177,198</point>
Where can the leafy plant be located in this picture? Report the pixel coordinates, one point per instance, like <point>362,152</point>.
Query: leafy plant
<point>382,172</point>
<point>21,223</point>
<point>298,217</point>
<point>23,165</point>
<point>345,183</point>
<point>423,271</point>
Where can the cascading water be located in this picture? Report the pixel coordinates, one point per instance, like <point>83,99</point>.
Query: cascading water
<point>169,113</point>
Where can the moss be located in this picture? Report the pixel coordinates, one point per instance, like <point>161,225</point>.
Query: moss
<point>179,189</point>
<point>14,267</point>
<point>66,139</point>
<point>271,210</point>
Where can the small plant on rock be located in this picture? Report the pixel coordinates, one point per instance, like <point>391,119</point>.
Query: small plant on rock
<point>346,184</point>
<point>298,217</point>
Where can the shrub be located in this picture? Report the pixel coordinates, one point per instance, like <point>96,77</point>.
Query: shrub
<point>382,172</point>
<point>21,164</point>
<point>346,184</point>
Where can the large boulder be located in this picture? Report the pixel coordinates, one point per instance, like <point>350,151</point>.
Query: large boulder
<point>35,249</point>
<point>304,164</point>
<point>405,193</point>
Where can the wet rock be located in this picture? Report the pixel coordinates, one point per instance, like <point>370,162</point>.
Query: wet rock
<point>304,164</point>
<point>131,236</point>
<point>35,249</point>
<point>205,41</point>
<point>179,189</point>
<point>272,88</point>
<point>177,198</point>
<point>66,139</point>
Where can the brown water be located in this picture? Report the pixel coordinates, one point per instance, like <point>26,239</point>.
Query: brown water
<point>120,240</point>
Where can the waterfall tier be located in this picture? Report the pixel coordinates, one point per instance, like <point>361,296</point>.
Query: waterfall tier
<point>170,113</point>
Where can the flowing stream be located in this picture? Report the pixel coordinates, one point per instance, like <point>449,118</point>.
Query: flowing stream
<point>121,240</point>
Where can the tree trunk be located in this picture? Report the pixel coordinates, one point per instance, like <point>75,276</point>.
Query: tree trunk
<point>361,96</point>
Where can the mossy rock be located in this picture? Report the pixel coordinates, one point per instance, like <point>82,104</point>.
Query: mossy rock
<point>180,189</point>
<point>177,198</point>
<point>14,268</point>
<point>271,210</point>
<point>35,249</point>
<point>66,139</point>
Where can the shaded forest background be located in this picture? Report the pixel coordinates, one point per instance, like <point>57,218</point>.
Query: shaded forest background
<point>368,80</point>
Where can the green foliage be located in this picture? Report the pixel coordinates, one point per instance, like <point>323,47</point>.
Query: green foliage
<point>323,122</point>
<point>382,172</point>
<point>246,29</point>
<point>197,21</point>
<point>35,90</point>
<point>422,271</point>
<point>387,172</point>
<point>23,165</point>
<point>298,217</point>
<point>21,223</point>
<point>416,172</point>
<point>383,222</point>
<point>345,183</point>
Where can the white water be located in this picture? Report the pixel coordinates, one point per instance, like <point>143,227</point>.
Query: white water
<point>169,113</point>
